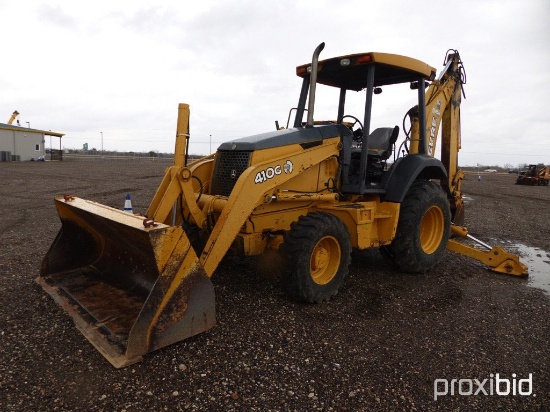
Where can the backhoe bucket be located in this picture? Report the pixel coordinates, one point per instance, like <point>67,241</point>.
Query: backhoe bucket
<point>130,289</point>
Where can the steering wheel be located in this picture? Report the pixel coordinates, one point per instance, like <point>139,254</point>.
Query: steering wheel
<point>357,133</point>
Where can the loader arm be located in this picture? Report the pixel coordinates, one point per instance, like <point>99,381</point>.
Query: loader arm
<point>245,197</point>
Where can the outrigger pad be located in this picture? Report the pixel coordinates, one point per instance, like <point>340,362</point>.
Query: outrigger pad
<point>129,289</point>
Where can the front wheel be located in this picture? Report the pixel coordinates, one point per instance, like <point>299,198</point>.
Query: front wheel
<point>423,229</point>
<point>316,254</point>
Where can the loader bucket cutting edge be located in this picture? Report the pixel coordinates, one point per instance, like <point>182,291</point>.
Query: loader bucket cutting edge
<point>129,289</point>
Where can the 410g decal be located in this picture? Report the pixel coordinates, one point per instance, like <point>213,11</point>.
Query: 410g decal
<point>269,173</point>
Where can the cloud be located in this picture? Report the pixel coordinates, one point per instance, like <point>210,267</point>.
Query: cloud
<point>122,67</point>
<point>56,16</point>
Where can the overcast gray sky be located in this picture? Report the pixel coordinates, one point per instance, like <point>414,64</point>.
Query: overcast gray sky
<point>122,66</point>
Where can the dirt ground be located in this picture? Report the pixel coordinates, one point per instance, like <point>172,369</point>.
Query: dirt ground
<point>380,344</point>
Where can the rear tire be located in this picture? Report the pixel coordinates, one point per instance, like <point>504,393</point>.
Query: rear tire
<point>423,229</point>
<point>316,254</point>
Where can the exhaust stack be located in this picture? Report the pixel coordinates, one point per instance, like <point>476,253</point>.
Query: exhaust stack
<point>313,84</point>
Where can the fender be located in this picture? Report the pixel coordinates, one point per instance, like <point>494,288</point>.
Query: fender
<point>406,170</point>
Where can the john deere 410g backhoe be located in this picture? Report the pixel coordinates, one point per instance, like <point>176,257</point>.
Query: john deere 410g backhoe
<point>311,192</point>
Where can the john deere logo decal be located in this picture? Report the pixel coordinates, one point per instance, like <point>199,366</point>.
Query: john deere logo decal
<point>288,167</point>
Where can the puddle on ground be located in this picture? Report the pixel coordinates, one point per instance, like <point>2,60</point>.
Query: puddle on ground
<point>467,199</point>
<point>538,262</point>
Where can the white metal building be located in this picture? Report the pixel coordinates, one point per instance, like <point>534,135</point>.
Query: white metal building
<point>22,143</point>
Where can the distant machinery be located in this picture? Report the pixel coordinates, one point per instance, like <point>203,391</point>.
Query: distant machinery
<point>533,177</point>
<point>13,117</point>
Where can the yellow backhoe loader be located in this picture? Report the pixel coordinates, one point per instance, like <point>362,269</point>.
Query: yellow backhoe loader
<point>311,191</point>
<point>533,177</point>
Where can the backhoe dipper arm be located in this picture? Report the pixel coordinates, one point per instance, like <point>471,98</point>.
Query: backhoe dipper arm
<point>443,99</point>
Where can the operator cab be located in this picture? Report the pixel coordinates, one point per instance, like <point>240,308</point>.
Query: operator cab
<point>366,151</point>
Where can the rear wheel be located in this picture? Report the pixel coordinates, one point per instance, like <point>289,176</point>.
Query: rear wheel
<point>316,255</point>
<point>423,229</point>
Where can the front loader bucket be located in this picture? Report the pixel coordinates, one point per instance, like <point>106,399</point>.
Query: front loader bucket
<point>129,289</point>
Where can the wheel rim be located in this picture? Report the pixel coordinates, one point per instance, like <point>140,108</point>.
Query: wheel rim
<point>431,230</point>
<point>325,260</point>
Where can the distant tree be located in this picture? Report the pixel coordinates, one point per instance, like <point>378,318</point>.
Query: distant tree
<point>152,153</point>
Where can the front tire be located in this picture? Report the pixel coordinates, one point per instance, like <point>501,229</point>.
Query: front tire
<point>316,254</point>
<point>423,229</point>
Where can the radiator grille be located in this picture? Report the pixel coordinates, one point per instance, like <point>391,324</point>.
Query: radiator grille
<point>229,167</point>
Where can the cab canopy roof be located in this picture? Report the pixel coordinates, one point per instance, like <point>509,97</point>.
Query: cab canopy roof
<point>350,72</point>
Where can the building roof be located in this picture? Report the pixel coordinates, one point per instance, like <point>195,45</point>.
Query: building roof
<point>5,126</point>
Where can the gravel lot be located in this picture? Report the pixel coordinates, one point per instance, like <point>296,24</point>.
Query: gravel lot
<point>379,344</point>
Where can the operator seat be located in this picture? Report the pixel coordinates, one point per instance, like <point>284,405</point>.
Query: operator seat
<point>381,142</point>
